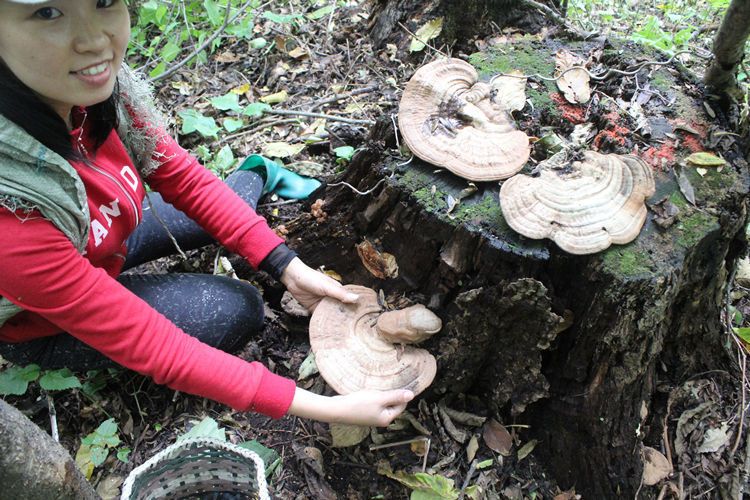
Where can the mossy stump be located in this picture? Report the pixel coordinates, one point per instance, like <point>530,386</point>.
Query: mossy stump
<point>574,346</point>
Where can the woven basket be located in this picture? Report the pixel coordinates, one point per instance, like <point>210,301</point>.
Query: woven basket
<point>198,468</point>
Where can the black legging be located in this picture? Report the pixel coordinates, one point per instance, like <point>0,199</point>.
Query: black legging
<point>220,311</point>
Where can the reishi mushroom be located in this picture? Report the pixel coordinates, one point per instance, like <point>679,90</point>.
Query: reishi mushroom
<point>359,346</point>
<point>584,206</point>
<point>450,119</point>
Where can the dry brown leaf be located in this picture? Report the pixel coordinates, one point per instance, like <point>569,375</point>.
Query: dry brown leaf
<point>511,90</point>
<point>497,437</point>
<point>574,84</point>
<point>381,264</point>
<point>655,466</point>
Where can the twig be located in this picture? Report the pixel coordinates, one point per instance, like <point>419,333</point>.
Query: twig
<point>52,417</point>
<point>356,190</point>
<point>550,12</point>
<point>472,468</point>
<point>339,97</point>
<point>219,30</point>
<point>602,76</point>
<point>318,115</point>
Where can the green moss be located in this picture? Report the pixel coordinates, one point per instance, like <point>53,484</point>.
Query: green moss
<point>527,56</point>
<point>628,260</point>
<point>662,82</point>
<point>690,230</point>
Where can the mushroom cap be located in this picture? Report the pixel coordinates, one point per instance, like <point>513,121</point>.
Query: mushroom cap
<point>584,206</point>
<point>451,120</point>
<point>352,355</point>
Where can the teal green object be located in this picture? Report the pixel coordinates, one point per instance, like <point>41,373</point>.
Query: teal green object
<point>281,181</point>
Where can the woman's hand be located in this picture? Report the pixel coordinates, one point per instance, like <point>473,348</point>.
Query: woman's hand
<point>367,408</point>
<point>309,286</point>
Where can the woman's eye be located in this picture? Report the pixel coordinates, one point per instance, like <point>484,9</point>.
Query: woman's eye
<point>103,4</point>
<point>48,13</point>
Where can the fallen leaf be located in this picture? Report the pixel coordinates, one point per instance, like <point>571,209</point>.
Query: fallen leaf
<point>685,187</point>
<point>471,448</point>
<point>511,90</point>
<point>526,449</point>
<point>426,33</point>
<point>714,439</point>
<point>344,435</point>
<point>281,149</point>
<point>380,264</point>
<point>497,437</point>
<point>276,97</point>
<point>706,159</point>
<point>655,466</point>
<point>573,83</point>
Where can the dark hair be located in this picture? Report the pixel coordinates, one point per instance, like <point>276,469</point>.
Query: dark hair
<point>19,104</point>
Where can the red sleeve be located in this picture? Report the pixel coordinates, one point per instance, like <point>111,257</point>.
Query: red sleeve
<point>195,190</point>
<point>41,271</point>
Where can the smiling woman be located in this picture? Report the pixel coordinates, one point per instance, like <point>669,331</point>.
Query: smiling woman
<point>79,141</point>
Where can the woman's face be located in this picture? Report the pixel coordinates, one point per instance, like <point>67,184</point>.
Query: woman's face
<point>67,51</point>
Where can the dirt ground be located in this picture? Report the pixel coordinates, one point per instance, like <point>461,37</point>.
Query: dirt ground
<point>150,417</point>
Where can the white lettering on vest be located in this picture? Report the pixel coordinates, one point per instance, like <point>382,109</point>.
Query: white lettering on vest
<point>113,210</point>
<point>129,176</point>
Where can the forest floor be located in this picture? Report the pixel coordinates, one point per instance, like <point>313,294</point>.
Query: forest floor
<point>328,67</point>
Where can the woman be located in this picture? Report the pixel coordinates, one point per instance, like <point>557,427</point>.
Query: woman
<point>78,137</point>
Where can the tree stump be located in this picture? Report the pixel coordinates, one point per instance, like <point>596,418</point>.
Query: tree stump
<point>576,346</point>
<point>462,21</point>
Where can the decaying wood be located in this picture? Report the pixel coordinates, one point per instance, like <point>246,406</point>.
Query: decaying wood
<point>643,314</point>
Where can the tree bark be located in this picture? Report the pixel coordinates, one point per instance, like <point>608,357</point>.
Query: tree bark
<point>33,466</point>
<point>729,47</point>
<point>462,21</point>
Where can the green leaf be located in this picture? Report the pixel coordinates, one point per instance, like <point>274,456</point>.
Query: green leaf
<point>169,51</point>
<point>281,19</point>
<point>98,455</point>
<point>321,12</point>
<point>107,428</point>
<point>256,109</point>
<point>743,333</point>
<point>344,152</point>
<point>158,70</point>
<point>213,12</point>
<point>268,455</point>
<point>15,380</point>
<point>205,428</point>
<point>59,380</point>
<point>193,121</point>
<point>227,102</point>
<point>224,159</point>
<point>232,124</point>
<point>122,454</point>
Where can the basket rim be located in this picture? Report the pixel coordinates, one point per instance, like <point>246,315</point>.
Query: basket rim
<point>127,487</point>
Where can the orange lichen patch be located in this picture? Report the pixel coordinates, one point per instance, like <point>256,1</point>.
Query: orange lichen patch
<point>574,113</point>
<point>660,157</point>
<point>613,132</point>
<point>692,143</point>
<point>691,140</point>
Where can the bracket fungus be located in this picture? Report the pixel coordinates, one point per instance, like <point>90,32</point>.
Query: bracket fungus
<point>584,206</point>
<point>450,119</point>
<point>359,346</point>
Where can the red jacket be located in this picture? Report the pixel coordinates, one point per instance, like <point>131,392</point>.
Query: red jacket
<point>61,290</point>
